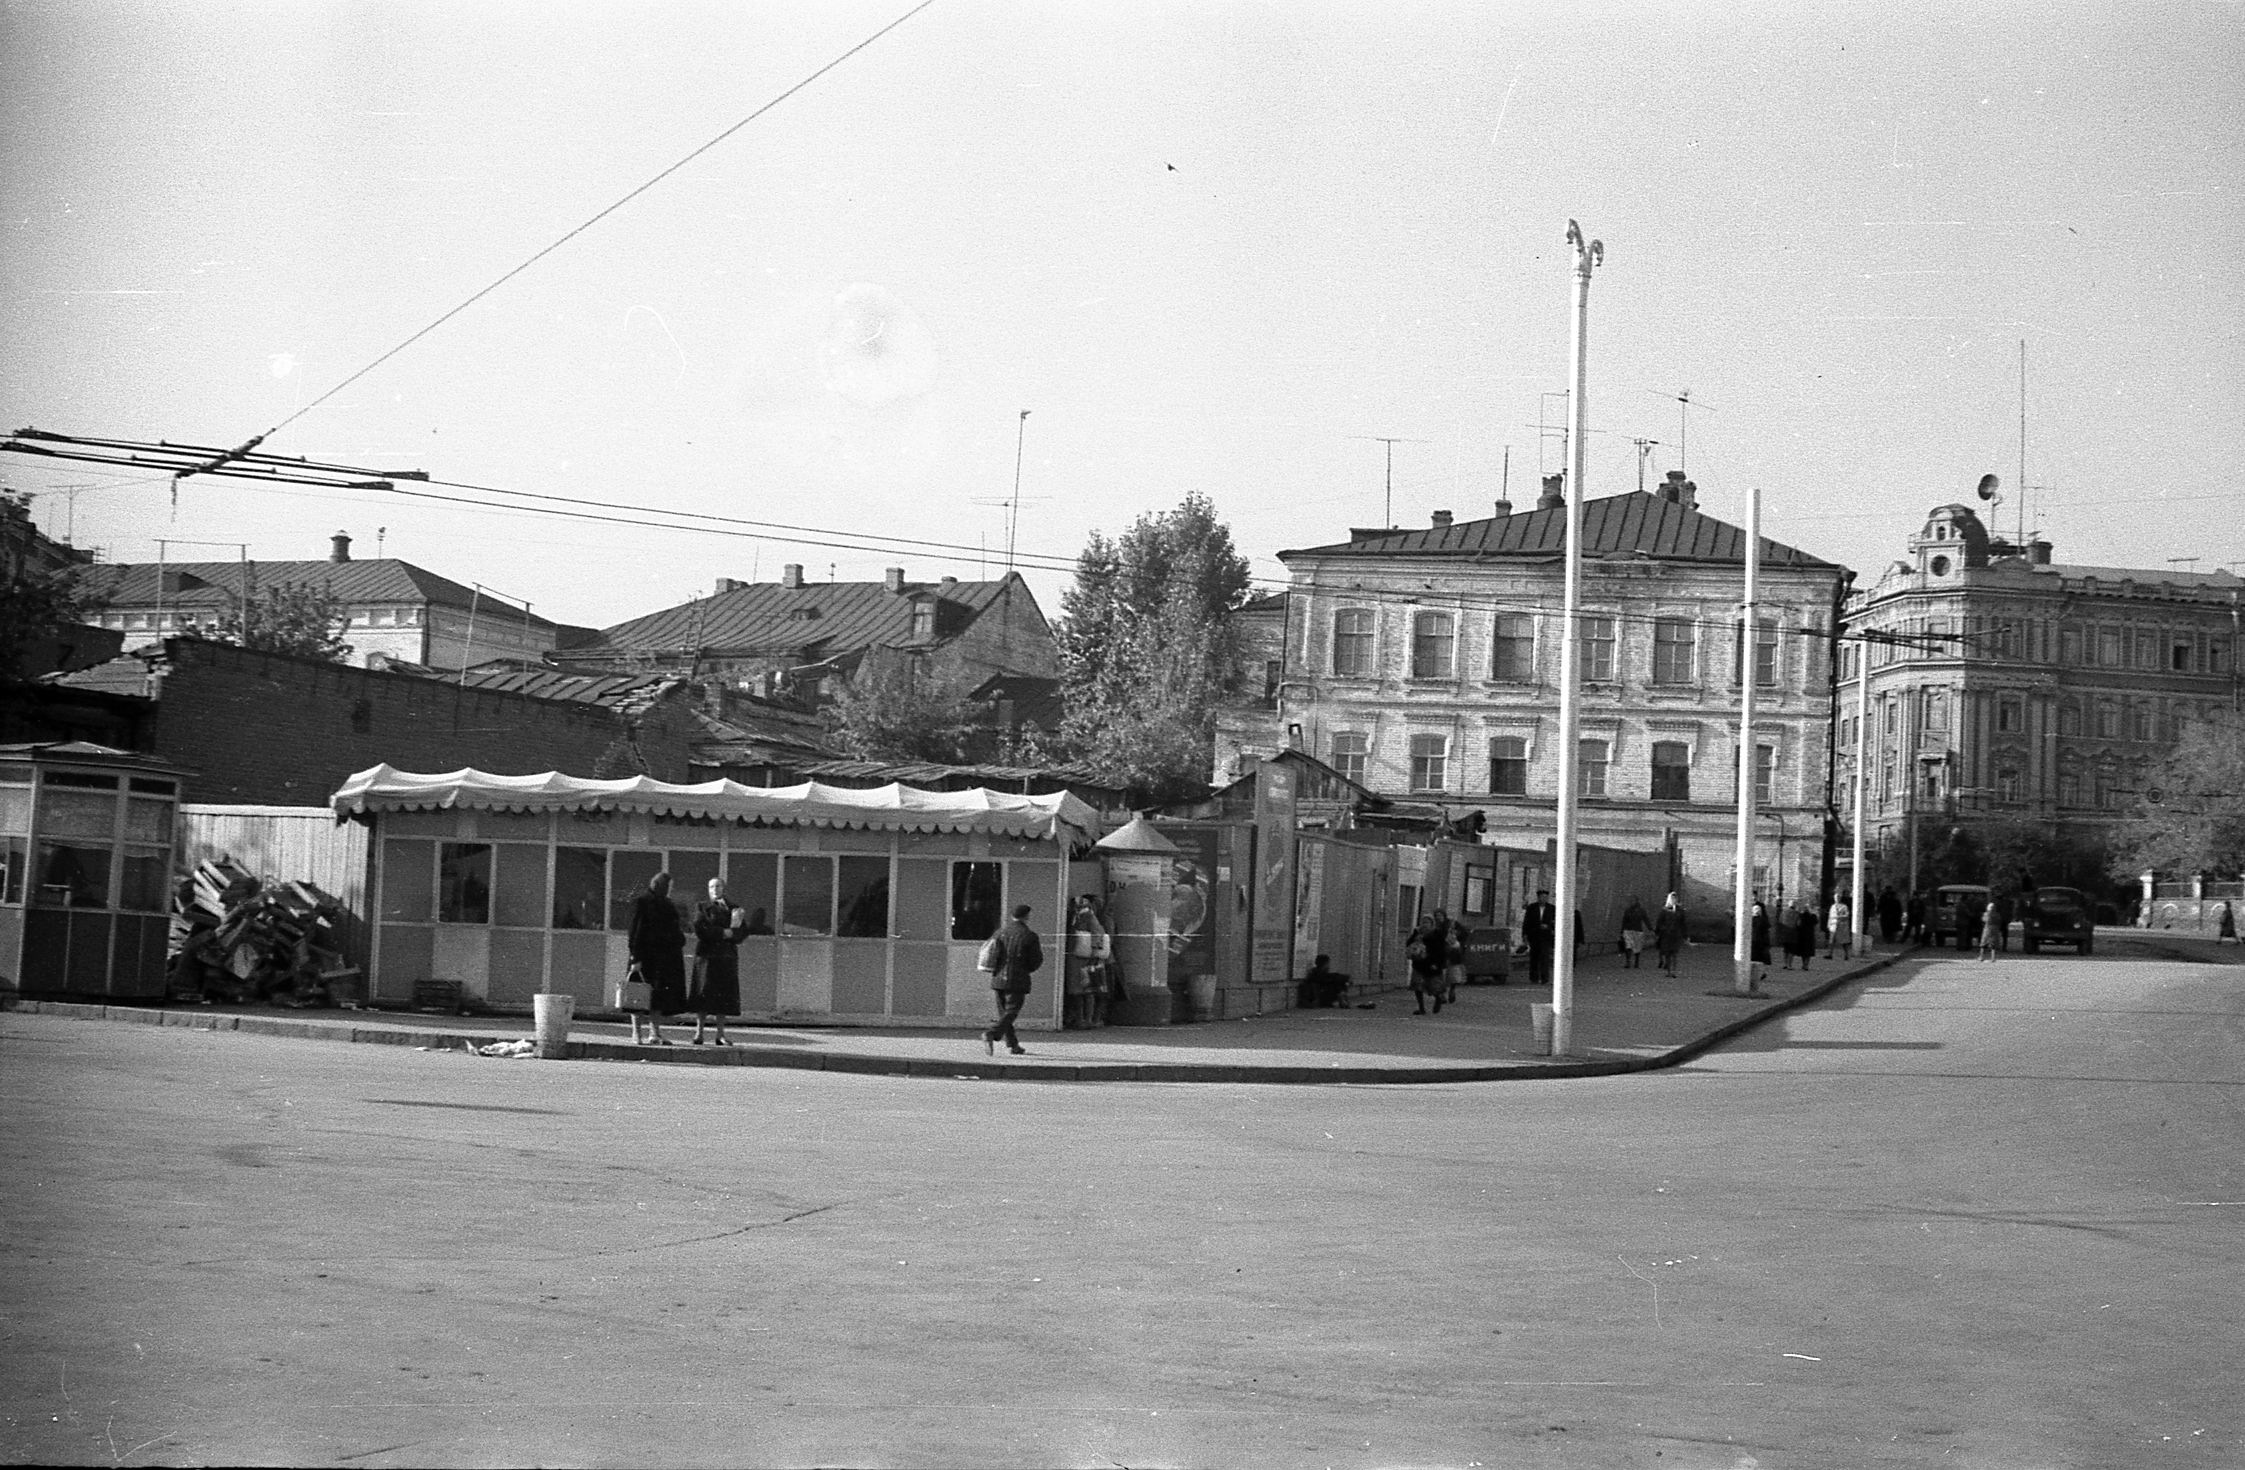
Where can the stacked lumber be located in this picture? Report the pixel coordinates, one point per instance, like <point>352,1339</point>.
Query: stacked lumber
<point>238,938</point>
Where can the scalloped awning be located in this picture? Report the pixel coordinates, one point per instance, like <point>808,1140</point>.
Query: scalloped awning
<point>1058,817</point>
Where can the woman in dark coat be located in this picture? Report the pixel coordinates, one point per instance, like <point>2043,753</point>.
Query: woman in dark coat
<point>657,943</point>
<point>1428,949</point>
<point>716,989</point>
<point>1668,933</point>
<point>1801,943</point>
<point>1758,952</point>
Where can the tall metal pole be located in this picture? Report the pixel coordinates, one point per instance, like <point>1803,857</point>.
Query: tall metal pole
<point>1589,254</point>
<point>1013,510</point>
<point>1742,898</point>
<point>1862,779</point>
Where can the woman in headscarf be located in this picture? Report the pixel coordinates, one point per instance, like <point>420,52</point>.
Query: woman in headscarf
<point>1668,933</point>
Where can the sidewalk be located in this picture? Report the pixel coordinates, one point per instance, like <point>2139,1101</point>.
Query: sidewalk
<point>1625,1021</point>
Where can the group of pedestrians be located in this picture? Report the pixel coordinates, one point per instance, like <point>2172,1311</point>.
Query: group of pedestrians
<point>1436,950</point>
<point>656,941</point>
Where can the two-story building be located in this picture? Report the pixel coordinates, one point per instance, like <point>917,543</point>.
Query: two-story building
<point>1424,664</point>
<point>2018,687</point>
<point>404,613</point>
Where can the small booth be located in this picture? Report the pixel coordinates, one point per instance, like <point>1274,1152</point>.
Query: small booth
<point>85,869</point>
<point>864,906</point>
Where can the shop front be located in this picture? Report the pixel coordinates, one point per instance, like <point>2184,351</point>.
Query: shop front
<point>864,906</point>
<point>86,837</point>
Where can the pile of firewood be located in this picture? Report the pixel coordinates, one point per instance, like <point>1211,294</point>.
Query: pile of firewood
<point>237,938</point>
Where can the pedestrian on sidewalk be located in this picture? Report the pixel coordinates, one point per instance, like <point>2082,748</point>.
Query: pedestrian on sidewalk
<point>1453,957</point>
<point>1668,933</point>
<point>656,941</point>
<point>1890,914</point>
<point>2004,910</point>
<point>1540,927</point>
<point>1991,930</point>
<point>1757,951</point>
<point>1088,948</point>
<point>1801,943</point>
<point>1425,951</point>
<point>715,990</point>
<point>1913,925</point>
<point>1636,928</point>
<point>1010,957</point>
<point>2227,929</point>
<point>1839,925</point>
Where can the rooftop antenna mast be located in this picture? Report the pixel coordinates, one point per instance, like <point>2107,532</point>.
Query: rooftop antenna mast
<point>2021,482</point>
<point>1387,515</point>
<point>1684,406</point>
<point>1644,448</point>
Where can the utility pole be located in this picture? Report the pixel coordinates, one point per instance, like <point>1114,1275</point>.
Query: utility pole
<point>1749,636</point>
<point>1862,779</point>
<point>1387,509</point>
<point>1588,256</point>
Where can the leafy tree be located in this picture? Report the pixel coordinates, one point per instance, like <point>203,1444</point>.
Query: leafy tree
<point>2189,814</point>
<point>302,620</point>
<point>34,606</point>
<point>1148,649</point>
<point>895,710</point>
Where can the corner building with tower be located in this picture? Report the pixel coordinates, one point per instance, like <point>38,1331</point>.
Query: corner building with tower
<point>2022,687</point>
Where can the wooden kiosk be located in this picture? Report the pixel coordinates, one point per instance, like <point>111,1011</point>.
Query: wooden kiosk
<point>85,870</point>
<point>874,902</point>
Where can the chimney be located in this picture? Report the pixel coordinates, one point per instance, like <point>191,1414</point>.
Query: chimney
<point>1504,508</point>
<point>949,583</point>
<point>340,546</point>
<point>893,579</point>
<point>1679,491</point>
<point>791,575</point>
<point>1442,520</point>
<point>2038,552</point>
<point>1554,492</point>
<point>725,585</point>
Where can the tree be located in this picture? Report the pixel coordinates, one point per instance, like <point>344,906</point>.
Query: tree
<point>302,620</point>
<point>34,607</point>
<point>894,710</point>
<point>1148,650</point>
<point>2189,815</point>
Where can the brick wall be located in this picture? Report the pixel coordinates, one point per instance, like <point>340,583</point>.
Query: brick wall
<point>271,729</point>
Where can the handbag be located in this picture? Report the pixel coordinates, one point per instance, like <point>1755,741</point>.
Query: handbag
<point>631,993</point>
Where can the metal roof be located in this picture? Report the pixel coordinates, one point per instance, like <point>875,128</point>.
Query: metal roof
<point>219,584</point>
<point>806,619</point>
<point>610,691</point>
<point>1635,523</point>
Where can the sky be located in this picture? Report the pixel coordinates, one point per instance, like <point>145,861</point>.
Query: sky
<point>1218,248</point>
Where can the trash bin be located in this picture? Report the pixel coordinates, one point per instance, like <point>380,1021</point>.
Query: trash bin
<point>1539,1016</point>
<point>553,1014</point>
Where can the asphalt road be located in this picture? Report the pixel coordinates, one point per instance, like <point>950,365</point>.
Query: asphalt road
<point>1960,1215</point>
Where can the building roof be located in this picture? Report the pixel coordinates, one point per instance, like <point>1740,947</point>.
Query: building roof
<point>1635,523</point>
<point>624,693</point>
<point>2155,576</point>
<point>1058,817</point>
<point>218,584</point>
<point>815,618</point>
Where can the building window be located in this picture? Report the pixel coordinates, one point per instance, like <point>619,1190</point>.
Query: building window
<point>1592,759</point>
<point>2143,722</point>
<point>1349,750</point>
<point>861,898</point>
<point>2179,657</point>
<point>1765,654</point>
<point>2109,653</point>
<point>1513,650</point>
<point>2010,715</point>
<point>1765,768</point>
<point>2147,650</point>
<point>464,883</point>
<point>1890,709</point>
<point>2108,720</point>
<point>1936,709</point>
<point>1673,647</point>
<point>1672,771</point>
<point>1886,780</point>
<point>2069,646</point>
<point>1434,639</point>
<point>2217,656</point>
<point>1508,766</point>
<point>2069,718</point>
<point>2106,797</point>
<point>1598,649</point>
<point>2007,787</point>
<point>977,892</point>
<point>2069,790</point>
<point>1430,762</point>
<point>1352,641</point>
<point>2007,640</point>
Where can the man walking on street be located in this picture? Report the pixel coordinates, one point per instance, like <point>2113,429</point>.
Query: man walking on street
<point>1540,927</point>
<point>1011,956</point>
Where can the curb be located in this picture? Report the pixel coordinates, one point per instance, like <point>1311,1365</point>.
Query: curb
<point>748,1054</point>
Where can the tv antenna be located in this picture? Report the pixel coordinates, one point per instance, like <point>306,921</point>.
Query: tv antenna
<point>1012,503</point>
<point>1685,403</point>
<point>1388,511</point>
<point>1645,447</point>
